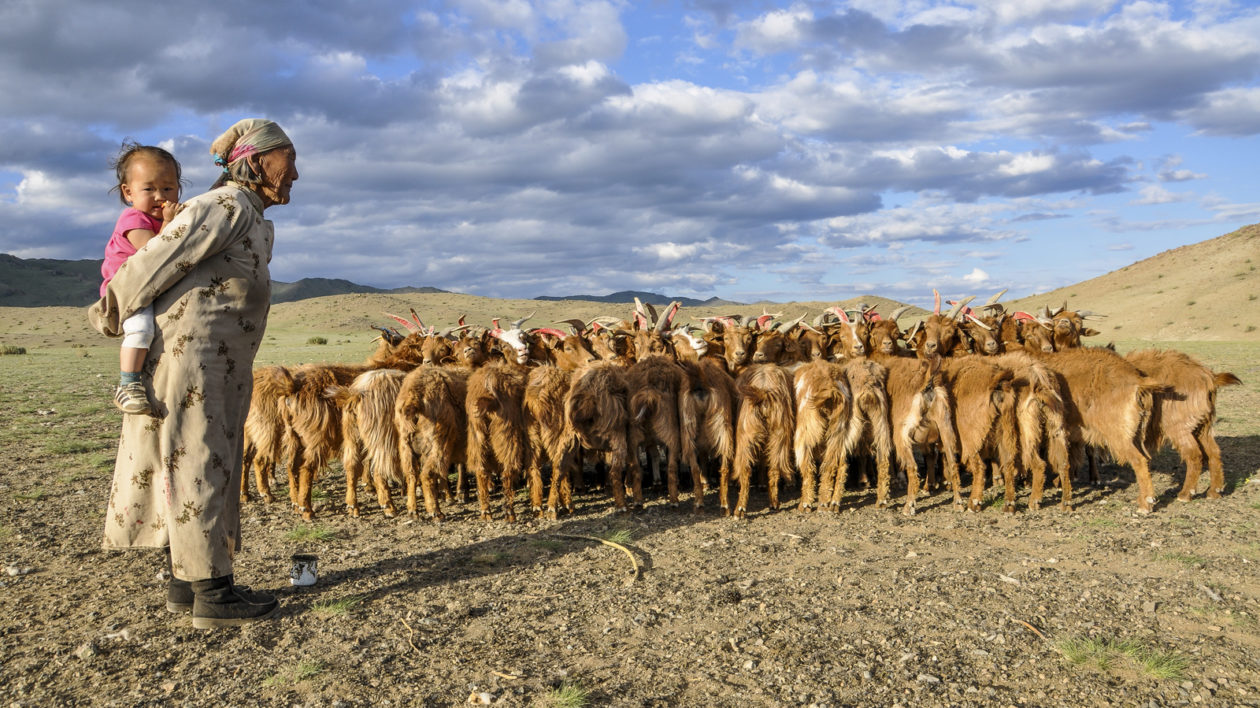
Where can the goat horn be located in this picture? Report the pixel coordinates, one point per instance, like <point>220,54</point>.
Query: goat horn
<point>978,322</point>
<point>898,313</point>
<point>411,327</point>
<point>416,317</point>
<point>914,330</point>
<point>549,330</point>
<point>517,324</point>
<point>958,307</point>
<point>993,300</point>
<point>835,310</point>
<point>936,310</point>
<point>1089,313</point>
<point>812,329</point>
<point>461,320</point>
<point>664,322</point>
<point>762,320</point>
<point>1023,316</point>
<point>579,327</point>
<point>790,325</point>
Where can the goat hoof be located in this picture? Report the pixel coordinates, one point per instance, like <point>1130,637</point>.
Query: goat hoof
<point>1008,509</point>
<point>1214,493</point>
<point>908,510</point>
<point>486,516</point>
<point>269,499</point>
<point>1185,496</point>
<point>352,511</point>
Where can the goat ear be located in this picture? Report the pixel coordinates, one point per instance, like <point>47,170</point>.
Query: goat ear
<point>1090,332</point>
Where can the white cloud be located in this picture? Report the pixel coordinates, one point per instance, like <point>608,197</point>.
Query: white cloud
<point>976,277</point>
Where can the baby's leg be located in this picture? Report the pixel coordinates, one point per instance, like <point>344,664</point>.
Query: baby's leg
<point>130,397</point>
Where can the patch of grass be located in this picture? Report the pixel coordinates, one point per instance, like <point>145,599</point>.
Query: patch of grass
<point>1187,559</point>
<point>622,536</point>
<point>488,558</point>
<point>317,340</point>
<point>568,695</point>
<point>335,608</point>
<point>319,494</point>
<point>35,494</point>
<point>306,534</point>
<point>1107,654</point>
<point>9,349</point>
<point>1102,523</point>
<point>71,447</point>
<point>303,671</point>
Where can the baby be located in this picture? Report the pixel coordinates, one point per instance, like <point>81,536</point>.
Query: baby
<point>149,185</point>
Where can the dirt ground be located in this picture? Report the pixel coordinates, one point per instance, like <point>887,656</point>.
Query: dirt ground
<point>865,607</point>
<point>861,608</point>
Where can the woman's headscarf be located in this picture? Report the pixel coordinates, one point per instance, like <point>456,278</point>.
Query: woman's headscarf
<point>247,137</point>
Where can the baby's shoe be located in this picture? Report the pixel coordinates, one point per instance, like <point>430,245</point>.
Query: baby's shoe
<point>130,398</point>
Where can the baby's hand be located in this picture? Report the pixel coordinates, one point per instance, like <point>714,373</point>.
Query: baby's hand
<point>169,209</point>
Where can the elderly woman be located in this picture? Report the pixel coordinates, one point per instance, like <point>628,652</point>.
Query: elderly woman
<point>178,472</point>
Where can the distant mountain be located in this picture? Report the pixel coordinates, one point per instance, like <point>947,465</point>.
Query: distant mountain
<point>47,282</point>
<point>624,296</point>
<point>307,288</point>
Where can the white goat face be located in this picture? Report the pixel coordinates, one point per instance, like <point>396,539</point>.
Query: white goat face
<point>516,339</point>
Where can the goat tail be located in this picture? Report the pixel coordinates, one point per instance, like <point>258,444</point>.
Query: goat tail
<point>1225,378</point>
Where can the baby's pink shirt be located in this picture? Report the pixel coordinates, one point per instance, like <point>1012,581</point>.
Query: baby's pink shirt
<point>119,249</point>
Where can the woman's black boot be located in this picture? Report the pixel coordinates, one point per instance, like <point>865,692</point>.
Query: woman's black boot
<point>179,593</point>
<point>219,603</point>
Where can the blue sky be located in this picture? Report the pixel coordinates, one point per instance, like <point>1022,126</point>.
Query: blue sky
<point>749,150</point>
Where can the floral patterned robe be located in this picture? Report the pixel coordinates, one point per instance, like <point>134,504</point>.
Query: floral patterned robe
<point>178,473</point>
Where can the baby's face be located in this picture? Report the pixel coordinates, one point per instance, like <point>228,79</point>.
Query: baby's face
<point>150,184</point>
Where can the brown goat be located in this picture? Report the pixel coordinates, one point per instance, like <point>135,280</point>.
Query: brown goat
<point>264,429</point>
<point>921,415</point>
<point>497,444</point>
<point>657,386</point>
<point>1185,413</point>
<point>869,430</point>
<point>550,438</point>
<point>370,436</point>
<point>1108,403</point>
<point>313,430</point>
<point>432,430</point>
<point>984,401</point>
<point>764,430</point>
<point>597,409</point>
<point>824,407</point>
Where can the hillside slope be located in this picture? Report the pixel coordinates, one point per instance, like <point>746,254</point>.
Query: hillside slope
<point>1208,291</point>
<point>1204,291</point>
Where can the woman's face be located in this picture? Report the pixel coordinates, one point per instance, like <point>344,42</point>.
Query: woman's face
<point>279,171</point>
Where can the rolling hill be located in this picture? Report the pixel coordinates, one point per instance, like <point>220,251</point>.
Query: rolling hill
<point>1208,291</point>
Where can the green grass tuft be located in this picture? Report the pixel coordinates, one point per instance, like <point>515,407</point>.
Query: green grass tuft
<point>622,536</point>
<point>568,695</point>
<point>35,494</point>
<point>301,672</point>
<point>488,558</point>
<point>335,608</point>
<point>1107,654</point>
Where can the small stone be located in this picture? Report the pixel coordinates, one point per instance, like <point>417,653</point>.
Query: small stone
<point>927,678</point>
<point>86,651</point>
<point>13,571</point>
<point>1149,606</point>
<point>750,665</point>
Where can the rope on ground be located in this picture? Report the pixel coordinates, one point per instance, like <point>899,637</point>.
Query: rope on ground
<point>633,563</point>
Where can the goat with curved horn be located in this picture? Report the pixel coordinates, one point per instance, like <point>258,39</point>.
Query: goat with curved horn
<point>664,322</point>
<point>978,323</point>
<point>517,324</point>
<point>959,306</point>
<point>899,312</point>
<point>411,327</point>
<point>416,317</point>
<point>993,300</point>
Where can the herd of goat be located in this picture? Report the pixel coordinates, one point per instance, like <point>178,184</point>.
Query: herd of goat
<point>968,389</point>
